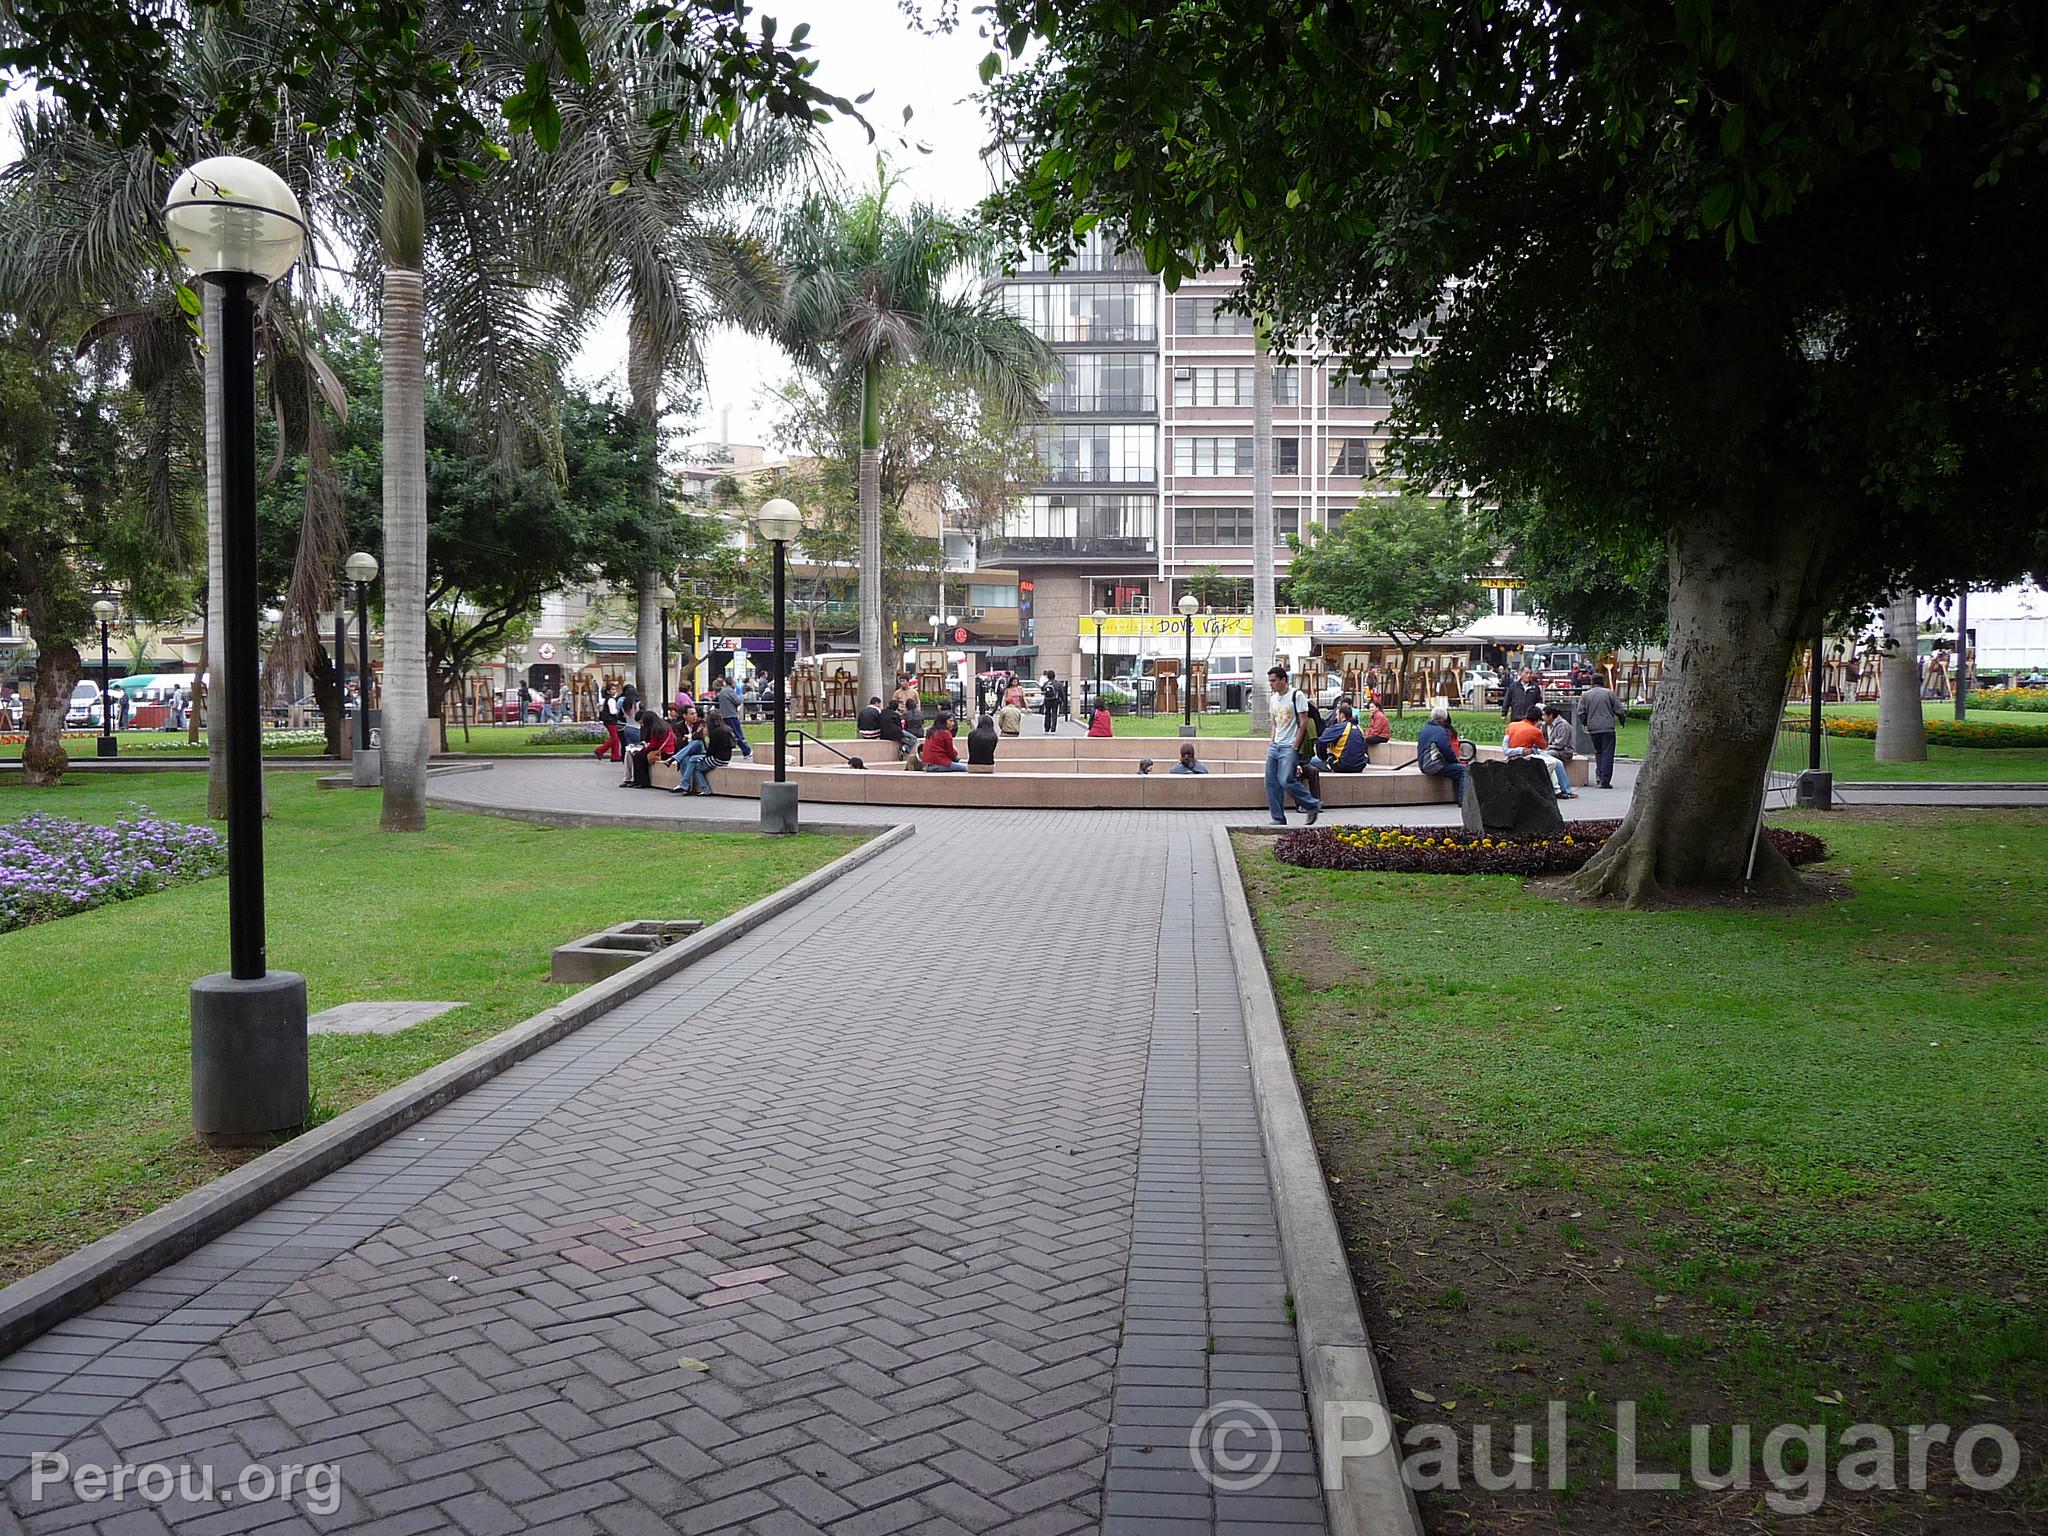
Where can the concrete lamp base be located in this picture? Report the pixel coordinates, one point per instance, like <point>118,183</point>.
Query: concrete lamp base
<point>1814,790</point>
<point>109,746</point>
<point>363,768</point>
<point>1187,730</point>
<point>778,808</point>
<point>248,1058</point>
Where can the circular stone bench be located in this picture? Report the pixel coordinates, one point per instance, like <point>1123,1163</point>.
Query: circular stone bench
<point>1085,773</point>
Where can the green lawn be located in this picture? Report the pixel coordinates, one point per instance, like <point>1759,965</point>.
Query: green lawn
<point>94,1103</point>
<point>1737,1166</point>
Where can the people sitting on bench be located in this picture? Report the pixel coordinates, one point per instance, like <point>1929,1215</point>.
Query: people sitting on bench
<point>1010,718</point>
<point>715,740</point>
<point>1377,729</point>
<point>937,753</point>
<point>1436,750</point>
<point>1341,747</point>
<point>1525,738</point>
<point>657,744</point>
<point>891,730</point>
<point>1189,763</point>
<point>869,726</point>
<point>981,743</point>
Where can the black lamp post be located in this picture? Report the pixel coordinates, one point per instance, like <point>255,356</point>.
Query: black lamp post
<point>664,599</point>
<point>1190,605</point>
<point>1099,617</point>
<point>778,522</point>
<point>361,569</point>
<point>104,611</point>
<point>238,227</point>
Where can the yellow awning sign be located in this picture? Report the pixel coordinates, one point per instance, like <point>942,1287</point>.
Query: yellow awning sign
<point>1211,625</point>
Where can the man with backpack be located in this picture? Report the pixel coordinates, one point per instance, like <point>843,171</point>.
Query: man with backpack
<point>1293,734</point>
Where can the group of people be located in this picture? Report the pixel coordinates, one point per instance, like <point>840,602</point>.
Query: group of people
<point>699,737</point>
<point>540,705</point>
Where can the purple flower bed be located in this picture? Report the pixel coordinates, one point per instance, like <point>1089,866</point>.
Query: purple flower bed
<point>1453,851</point>
<point>52,866</point>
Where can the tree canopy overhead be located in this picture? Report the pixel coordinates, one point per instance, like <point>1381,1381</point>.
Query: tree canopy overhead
<point>335,70</point>
<point>1756,278</point>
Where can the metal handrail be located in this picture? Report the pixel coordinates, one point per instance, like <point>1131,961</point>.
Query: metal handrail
<point>803,735</point>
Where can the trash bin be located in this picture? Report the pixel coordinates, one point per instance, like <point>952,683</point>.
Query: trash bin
<point>1582,740</point>
<point>1234,700</point>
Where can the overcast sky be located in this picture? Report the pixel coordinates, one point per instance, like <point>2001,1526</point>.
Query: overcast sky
<point>861,45</point>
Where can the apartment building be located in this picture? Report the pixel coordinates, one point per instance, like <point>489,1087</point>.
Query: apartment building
<point>1146,478</point>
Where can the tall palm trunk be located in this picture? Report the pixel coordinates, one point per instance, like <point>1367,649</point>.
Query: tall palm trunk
<point>1901,727</point>
<point>871,672</point>
<point>1265,629</point>
<point>404,760</point>
<point>216,583</point>
<point>644,372</point>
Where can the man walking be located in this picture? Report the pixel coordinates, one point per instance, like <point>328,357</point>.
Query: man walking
<point>1049,702</point>
<point>729,708</point>
<point>1600,711</point>
<point>1283,754</point>
<point>1520,693</point>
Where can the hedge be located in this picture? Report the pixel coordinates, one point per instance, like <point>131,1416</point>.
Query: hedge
<point>1942,733</point>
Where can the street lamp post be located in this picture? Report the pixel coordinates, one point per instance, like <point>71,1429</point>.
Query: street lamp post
<point>664,599</point>
<point>1098,616</point>
<point>104,611</point>
<point>1190,605</point>
<point>778,522</point>
<point>237,226</point>
<point>361,569</point>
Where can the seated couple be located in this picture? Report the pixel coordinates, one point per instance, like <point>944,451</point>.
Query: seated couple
<point>892,723</point>
<point>1552,747</point>
<point>705,743</point>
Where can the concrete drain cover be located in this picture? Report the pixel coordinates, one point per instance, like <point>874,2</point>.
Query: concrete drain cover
<point>598,955</point>
<point>374,1018</point>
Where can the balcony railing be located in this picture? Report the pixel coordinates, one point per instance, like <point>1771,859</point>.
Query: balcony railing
<point>1004,546</point>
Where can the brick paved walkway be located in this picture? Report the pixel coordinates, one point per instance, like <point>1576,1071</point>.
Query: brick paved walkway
<point>842,1229</point>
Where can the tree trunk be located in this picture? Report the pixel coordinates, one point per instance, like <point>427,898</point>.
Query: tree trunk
<point>647,637</point>
<point>871,533</point>
<point>1901,726</point>
<point>404,761</point>
<point>216,582</point>
<point>1401,693</point>
<point>1741,600</point>
<point>327,695</point>
<point>43,758</point>
<point>1265,625</point>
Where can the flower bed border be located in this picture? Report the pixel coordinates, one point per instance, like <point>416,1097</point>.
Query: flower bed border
<point>1453,851</point>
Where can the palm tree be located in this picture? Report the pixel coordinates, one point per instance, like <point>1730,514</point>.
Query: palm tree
<point>871,290</point>
<point>1901,725</point>
<point>667,245</point>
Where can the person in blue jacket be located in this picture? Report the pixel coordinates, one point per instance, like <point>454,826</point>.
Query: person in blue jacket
<point>1341,747</point>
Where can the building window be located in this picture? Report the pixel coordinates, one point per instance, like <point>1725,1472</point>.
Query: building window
<point>1097,251</point>
<point>1360,389</point>
<point>1286,455</point>
<point>1231,386</point>
<point>1084,518</point>
<point>1105,383</point>
<point>991,594</point>
<point>1112,454</point>
<point>1204,456</point>
<point>1228,525</point>
<point>1202,317</point>
<point>1085,311</point>
<point>1350,456</point>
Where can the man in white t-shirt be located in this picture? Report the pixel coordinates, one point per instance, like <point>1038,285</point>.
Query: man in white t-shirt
<point>1290,720</point>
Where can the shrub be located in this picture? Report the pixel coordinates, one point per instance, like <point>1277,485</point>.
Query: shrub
<point>1453,851</point>
<point>583,735</point>
<point>2032,701</point>
<point>52,866</point>
<point>1942,733</point>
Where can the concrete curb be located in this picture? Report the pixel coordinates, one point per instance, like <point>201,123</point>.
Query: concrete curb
<point>82,1280</point>
<point>579,821</point>
<point>1336,1355</point>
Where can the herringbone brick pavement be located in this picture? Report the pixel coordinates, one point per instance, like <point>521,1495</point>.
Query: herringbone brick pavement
<point>843,1229</point>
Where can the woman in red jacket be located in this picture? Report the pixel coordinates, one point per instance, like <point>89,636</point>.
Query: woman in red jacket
<point>938,754</point>
<point>1098,723</point>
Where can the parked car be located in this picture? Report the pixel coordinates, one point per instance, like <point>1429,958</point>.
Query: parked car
<point>84,708</point>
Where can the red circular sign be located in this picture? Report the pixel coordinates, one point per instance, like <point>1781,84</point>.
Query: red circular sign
<point>959,637</point>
